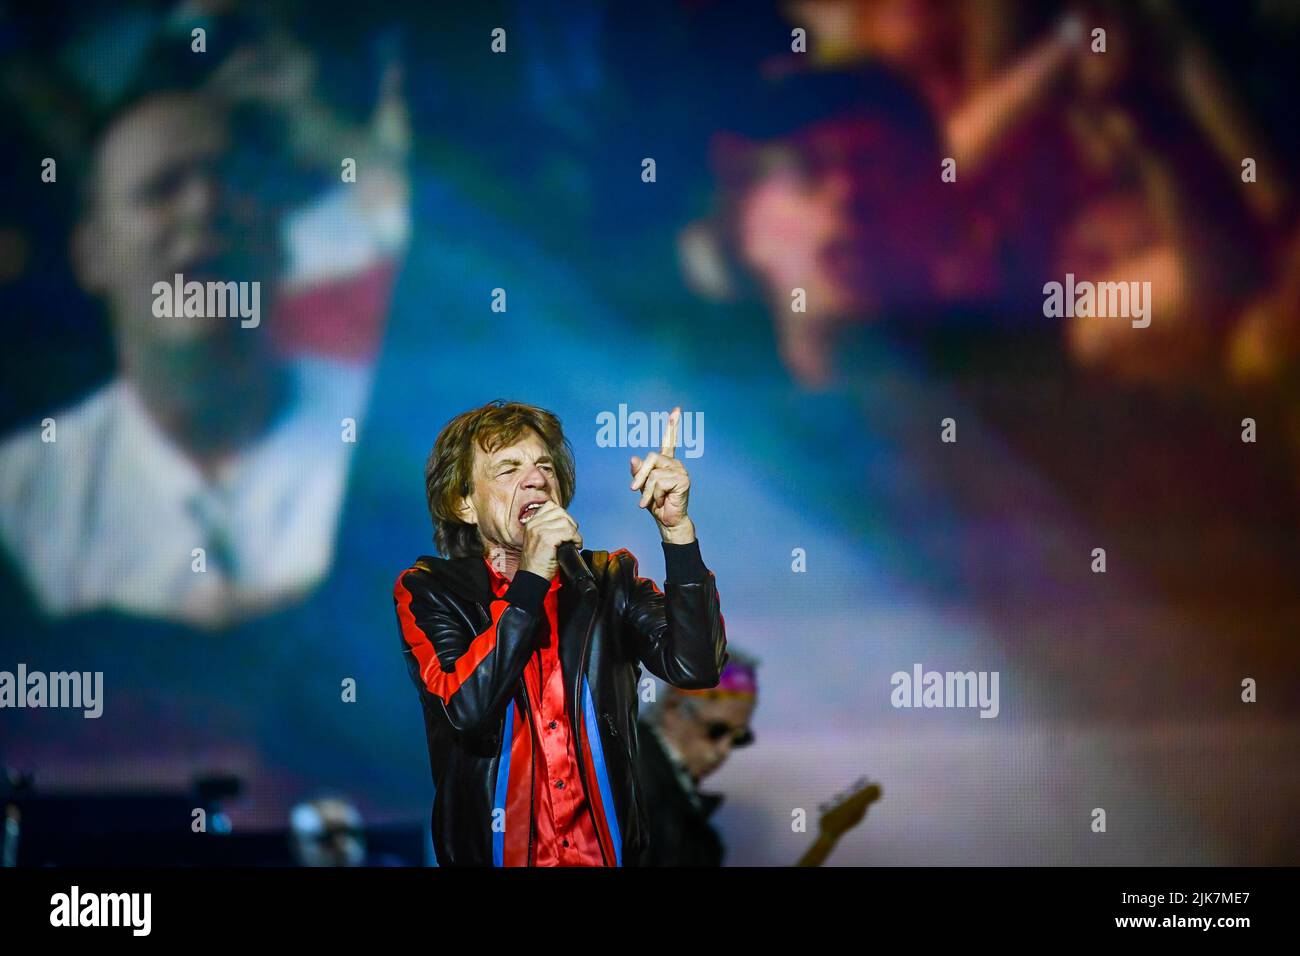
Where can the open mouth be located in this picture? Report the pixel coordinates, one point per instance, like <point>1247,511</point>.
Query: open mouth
<point>528,510</point>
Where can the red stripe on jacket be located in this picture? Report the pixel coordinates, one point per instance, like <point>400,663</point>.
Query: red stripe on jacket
<point>440,682</point>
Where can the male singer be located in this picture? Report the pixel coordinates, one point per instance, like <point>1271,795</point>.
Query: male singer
<point>528,674</point>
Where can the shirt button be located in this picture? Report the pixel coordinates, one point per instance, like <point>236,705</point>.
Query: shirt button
<point>559,785</point>
<point>565,843</point>
<point>554,725</point>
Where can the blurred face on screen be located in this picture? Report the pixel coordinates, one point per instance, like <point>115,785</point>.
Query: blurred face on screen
<point>841,212</point>
<point>705,730</point>
<point>508,484</point>
<point>162,201</point>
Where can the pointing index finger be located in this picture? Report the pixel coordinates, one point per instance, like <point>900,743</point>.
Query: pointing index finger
<point>670,433</point>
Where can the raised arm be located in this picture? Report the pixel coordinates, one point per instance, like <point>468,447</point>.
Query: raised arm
<point>678,633</point>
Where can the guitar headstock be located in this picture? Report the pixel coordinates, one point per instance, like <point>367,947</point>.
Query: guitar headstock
<point>846,810</point>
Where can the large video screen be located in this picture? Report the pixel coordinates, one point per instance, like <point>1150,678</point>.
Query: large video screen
<point>983,320</point>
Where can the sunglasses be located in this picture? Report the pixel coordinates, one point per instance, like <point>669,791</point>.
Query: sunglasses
<point>740,736</point>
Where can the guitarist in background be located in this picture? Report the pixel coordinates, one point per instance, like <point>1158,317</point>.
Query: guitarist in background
<point>689,736</point>
<point>684,739</point>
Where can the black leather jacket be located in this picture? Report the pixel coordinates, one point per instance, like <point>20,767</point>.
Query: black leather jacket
<point>680,832</point>
<point>466,651</point>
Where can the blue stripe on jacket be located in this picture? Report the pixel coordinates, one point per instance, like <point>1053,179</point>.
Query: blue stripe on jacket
<point>503,785</point>
<point>602,775</point>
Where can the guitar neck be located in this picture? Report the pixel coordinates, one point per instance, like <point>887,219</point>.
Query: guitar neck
<point>819,851</point>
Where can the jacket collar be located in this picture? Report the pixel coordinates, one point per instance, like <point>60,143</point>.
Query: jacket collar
<point>467,578</point>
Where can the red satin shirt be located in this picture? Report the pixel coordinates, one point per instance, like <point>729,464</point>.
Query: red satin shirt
<point>566,832</point>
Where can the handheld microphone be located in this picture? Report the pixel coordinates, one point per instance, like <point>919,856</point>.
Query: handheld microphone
<point>575,569</point>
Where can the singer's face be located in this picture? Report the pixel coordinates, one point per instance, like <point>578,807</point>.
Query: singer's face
<point>509,482</point>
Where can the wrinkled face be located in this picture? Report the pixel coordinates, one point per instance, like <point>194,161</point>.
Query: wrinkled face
<point>509,483</point>
<point>841,212</point>
<point>165,201</point>
<point>704,730</point>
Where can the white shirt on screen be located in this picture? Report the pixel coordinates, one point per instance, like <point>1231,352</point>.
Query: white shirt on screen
<point>108,516</point>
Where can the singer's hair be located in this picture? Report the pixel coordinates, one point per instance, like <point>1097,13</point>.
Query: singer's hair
<point>449,472</point>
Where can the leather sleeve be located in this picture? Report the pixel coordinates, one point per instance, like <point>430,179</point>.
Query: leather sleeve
<point>678,633</point>
<point>469,674</point>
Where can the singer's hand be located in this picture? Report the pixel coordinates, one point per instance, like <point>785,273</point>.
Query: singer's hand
<point>548,528</point>
<point>665,486</point>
